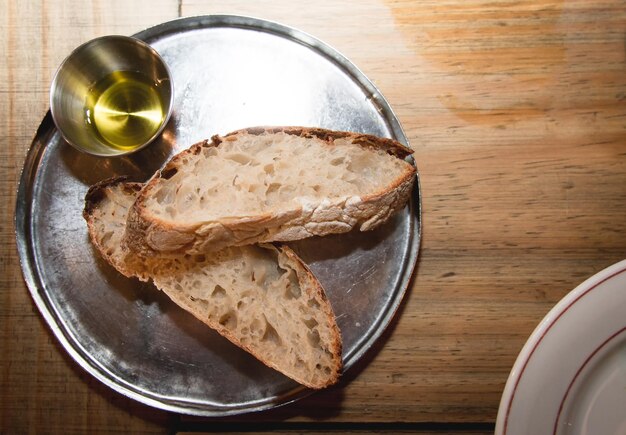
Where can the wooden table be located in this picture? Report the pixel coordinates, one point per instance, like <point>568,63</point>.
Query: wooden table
<point>517,114</point>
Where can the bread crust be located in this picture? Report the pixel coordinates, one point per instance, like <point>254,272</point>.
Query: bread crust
<point>147,234</point>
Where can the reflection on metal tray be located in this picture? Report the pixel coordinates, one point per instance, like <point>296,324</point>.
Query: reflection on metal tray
<point>228,72</point>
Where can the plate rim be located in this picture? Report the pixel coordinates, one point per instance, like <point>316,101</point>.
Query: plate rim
<point>516,376</point>
<point>35,285</point>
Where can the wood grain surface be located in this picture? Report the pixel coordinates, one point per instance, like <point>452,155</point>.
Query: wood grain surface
<point>516,111</point>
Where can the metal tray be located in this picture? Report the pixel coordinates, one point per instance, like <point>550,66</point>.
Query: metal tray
<point>228,72</point>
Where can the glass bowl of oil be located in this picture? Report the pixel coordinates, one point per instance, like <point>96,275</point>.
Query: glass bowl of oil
<point>111,96</point>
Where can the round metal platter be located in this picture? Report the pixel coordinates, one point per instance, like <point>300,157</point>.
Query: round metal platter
<point>229,72</point>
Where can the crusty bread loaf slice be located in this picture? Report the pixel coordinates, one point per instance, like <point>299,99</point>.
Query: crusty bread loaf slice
<point>261,298</point>
<point>106,208</point>
<point>269,184</point>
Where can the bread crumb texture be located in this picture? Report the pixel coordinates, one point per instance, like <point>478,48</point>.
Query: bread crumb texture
<point>249,174</point>
<point>253,296</point>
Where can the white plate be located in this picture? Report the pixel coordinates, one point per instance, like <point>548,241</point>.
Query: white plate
<point>570,377</point>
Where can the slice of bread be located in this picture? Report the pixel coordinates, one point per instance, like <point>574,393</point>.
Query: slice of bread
<point>106,208</point>
<point>261,298</point>
<point>269,184</point>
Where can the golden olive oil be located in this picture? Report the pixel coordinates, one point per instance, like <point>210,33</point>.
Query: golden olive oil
<point>124,109</point>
